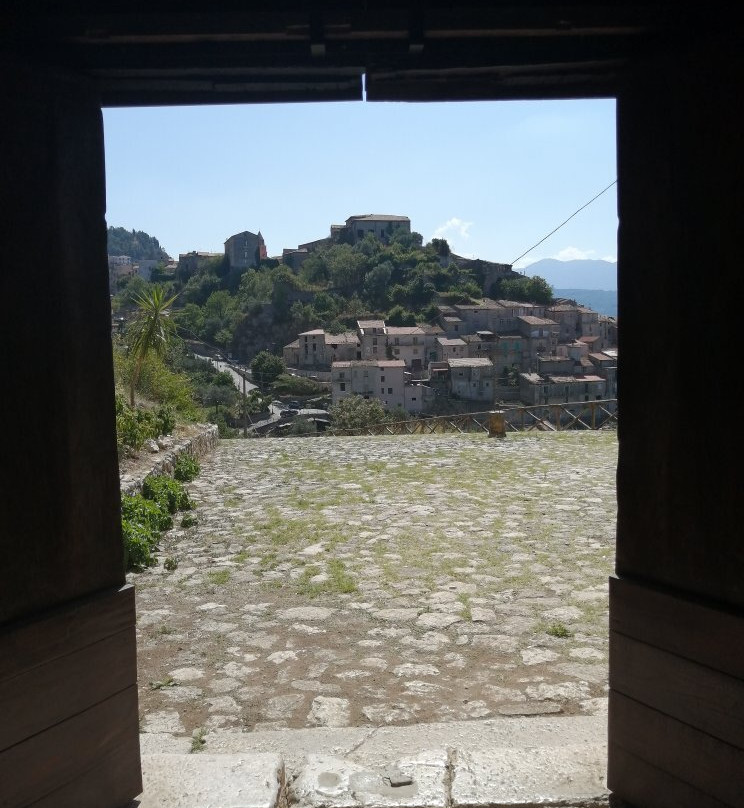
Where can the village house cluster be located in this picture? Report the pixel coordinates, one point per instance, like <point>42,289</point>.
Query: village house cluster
<point>488,352</point>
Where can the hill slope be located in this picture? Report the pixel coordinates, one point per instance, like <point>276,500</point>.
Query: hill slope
<point>136,244</point>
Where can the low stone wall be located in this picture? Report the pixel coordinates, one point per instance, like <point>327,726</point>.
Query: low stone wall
<point>164,461</point>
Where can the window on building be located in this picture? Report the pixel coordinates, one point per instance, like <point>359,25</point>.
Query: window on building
<point>374,340</point>
<point>382,391</point>
<point>374,349</point>
<point>397,340</point>
<point>382,379</point>
<point>415,351</point>
<point>390,391</point>
<point>342,386</point>
<point>315,347</point>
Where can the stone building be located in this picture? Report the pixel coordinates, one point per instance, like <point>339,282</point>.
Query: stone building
<point>244,250</point>
<point>381,226</point>
<point>471,379</point>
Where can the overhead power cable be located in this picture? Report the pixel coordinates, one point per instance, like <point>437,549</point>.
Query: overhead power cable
<point>586,205</point>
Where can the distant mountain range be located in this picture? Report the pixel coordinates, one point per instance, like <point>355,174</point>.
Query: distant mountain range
<point>592,283</point>
<point>602,300</point>
<point>584,274</point>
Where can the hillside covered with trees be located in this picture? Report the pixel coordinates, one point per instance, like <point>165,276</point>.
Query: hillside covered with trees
<point>136,244</point>
<point>403,282</point>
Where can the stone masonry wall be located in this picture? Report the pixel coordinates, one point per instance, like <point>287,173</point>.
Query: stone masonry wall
<point>163,462</point>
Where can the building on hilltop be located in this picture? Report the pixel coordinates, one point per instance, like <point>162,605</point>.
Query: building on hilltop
<point>381,226</point>
<point>244,250</point>
<point>190,263</point>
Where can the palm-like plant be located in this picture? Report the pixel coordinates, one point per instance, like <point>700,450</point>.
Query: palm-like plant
<point>151,332</point>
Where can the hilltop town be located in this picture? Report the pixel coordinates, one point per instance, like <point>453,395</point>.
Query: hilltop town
<point>450,342</point>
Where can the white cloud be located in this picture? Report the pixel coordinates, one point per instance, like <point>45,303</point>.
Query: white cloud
<point>453,226</point>
<point>611,258</point>
<point>574,254</point>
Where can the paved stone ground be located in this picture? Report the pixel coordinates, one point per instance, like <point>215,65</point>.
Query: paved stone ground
<point>369,581</point>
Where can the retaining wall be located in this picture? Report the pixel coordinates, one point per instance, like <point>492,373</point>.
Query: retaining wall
<point>164,461</point>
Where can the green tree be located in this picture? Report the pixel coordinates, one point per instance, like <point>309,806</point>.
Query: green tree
<point>528,290</point>
<point>400,317</point>
<point>441,247</point>
<point>266,367</point>
<point>218,394</point>
<point>356,413</point>
<point>151,332</point>
<point>377,282</point>
<point>346,267</point>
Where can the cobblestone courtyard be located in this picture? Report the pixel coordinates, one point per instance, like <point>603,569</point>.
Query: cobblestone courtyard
<point>383,580</point>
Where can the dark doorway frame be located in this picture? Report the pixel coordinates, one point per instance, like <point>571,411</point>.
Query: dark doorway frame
<point>676,734</point>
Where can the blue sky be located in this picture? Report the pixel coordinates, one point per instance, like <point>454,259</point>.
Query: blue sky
<point>492,178</point>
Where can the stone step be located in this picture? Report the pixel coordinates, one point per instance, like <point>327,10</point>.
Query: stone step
<point>534,761</point>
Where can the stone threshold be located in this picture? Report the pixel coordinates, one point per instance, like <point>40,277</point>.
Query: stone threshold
<point>516,762</point>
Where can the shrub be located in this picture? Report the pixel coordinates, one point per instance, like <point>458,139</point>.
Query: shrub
<point>139,542</point>
<point>168,493</point>
<point>145,515</point>
<point>145,512</point>
<point>165,418</point>
<point>130,429</point>
<point>224,430</point>
<point>189,520</point>
<point>186,468</point>
<point>356,413</point>
<point>301,426</point>
<point>287,385</point>
<point>134,426</point>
